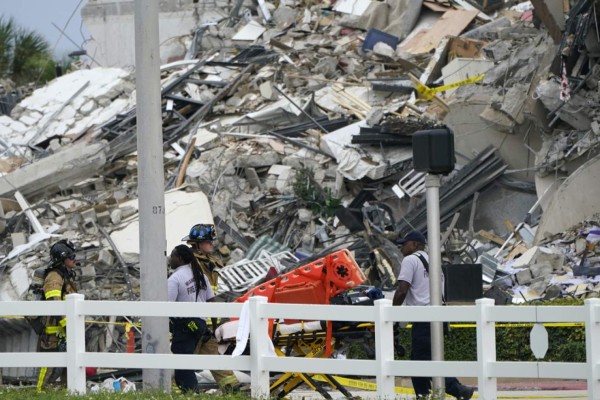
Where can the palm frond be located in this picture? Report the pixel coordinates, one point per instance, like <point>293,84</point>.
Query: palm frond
<point>30,53</point>
<point>7,33</point>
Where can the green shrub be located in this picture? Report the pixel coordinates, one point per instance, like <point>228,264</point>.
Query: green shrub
<point>308,191</point>
<point>565,344</point>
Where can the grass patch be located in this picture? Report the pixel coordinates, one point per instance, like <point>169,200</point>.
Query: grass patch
<point>19,393</point>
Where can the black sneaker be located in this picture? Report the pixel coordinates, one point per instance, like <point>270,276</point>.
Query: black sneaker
<point>465,392</point>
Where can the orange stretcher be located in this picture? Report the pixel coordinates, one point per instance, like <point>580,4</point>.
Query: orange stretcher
<point>313,283</point>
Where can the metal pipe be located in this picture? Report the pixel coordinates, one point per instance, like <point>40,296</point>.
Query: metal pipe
<point>35,223</point>
<point>299,144</point>
<point>301,109</point>
<point>124,267</point>
<point>432,193</point>
<point>151,194</point>
<point>76,45</point>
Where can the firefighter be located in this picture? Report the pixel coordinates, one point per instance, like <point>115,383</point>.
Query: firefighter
<point>188,284</point>
<point>201,240</point>
<point>58,283</point>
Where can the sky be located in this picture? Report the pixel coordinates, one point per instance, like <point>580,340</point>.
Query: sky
<point>39,15</point>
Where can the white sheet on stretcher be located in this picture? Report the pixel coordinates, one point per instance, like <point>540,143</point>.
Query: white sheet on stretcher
<point>243,333</point>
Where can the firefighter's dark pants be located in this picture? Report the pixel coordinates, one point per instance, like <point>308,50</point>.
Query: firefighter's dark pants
<point>421,350</point>
<point>184,342</point>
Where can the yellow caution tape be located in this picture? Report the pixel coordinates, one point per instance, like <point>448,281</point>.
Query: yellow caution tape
<point>360,384</point>
<point>371,386</point>
<point>525,325</point>
<point>138,324</point>
<point>428,93</point>
<point>364,325</point>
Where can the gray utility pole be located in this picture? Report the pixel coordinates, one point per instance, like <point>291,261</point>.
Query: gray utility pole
<point>153,271</point>
<point>432,193</point>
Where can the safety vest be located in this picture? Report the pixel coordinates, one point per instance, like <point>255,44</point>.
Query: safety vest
<point>56,286</point>
<point>209,265</point>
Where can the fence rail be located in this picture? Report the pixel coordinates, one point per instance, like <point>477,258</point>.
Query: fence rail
<point>384,368</point>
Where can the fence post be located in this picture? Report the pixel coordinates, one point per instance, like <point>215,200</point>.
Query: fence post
<point>75,344</point>
<point>486,350</point>
<point>384,341</point>
<point>259,342</point>
<point>592,347</point>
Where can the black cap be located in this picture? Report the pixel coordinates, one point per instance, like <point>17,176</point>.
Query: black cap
<point>414,236</point>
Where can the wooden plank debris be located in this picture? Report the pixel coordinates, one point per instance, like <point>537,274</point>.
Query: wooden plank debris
<point>452,23</point>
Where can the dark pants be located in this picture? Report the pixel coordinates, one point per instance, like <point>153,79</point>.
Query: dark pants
<point>184,342</point>
<point>50,375</point>
<point>421,350</point>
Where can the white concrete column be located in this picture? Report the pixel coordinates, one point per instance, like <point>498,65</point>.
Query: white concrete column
<point>486,350</point>
<point>151,195</point>
<point>259,342</point>
<point>384,341</point>
<point>75,344</point>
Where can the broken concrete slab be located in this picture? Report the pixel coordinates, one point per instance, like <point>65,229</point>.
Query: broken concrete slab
<point>88,272</point>
<point>541,269</point>
<point>56,172</point>
<point>106,258</point>
<point>396,18</point>
<point>182,211</point>
<point>45,107</point>
<point>352,163</point>
<point>573,113</point>
<point>250,32</point>
<point>252,177</point>
<point>463,68</point>
<point>265,158</point>
<point>267,91</point>
<point>18,238</point>
<point>506,109</point>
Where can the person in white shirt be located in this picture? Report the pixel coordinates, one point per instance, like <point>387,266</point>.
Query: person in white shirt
<point>413,290</point>
<point>188,284</point>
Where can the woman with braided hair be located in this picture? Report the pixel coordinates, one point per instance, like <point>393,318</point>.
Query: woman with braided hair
<point>201,238</point>
<point>187,283</point>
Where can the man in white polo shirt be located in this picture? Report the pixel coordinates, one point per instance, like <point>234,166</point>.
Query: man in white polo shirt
<point>413,290</point>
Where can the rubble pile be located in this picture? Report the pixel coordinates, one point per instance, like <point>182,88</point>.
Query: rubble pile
<point>570,95</point>
<point>566,265</point>
<point>66,108</point>
<point>290,126</point>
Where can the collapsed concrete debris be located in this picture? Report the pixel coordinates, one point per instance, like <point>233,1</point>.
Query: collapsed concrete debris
<point>565,265</point>
<point>290,127</point>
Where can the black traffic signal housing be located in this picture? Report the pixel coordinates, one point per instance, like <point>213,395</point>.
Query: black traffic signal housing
<point>433,151</point>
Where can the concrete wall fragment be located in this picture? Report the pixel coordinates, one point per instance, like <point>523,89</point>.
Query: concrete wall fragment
<point>574,201</point>
<point>55,172</point>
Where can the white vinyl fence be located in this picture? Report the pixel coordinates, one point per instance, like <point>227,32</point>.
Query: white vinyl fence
<point>383,314</point>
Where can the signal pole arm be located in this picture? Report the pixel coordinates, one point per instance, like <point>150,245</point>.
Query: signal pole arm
<point>400,293</point>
